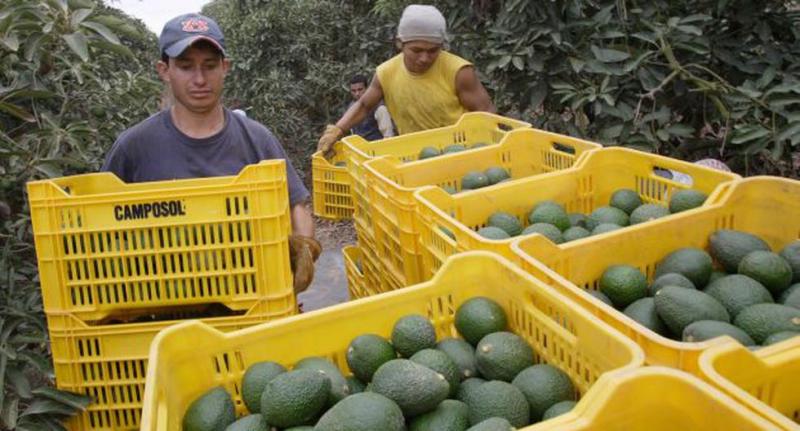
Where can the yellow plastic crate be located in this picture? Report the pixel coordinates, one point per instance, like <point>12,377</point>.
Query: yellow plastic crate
<point>765,206</point>
<point>767,380</point>
<point>109,362</point>
<point>365,241</point>
<point>372,279</point>
<point>378,277</point>
<point>471,128</point>
<point>354,268</point>
<point>106,248</point>
<point>331,190</point>
<point>391,185</point>
<point>655,399</point>
<point>582,188</point>
<point>371,264</point>
<point>189,359</point>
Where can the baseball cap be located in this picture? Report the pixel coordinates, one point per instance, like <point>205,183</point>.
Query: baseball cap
<point>182,31</point>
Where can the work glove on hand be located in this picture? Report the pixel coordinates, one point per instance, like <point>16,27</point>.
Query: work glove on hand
<point>328,138</point>
<point>303,252</point>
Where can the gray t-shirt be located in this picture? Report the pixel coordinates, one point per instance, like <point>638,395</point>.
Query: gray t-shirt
<point>156,150</point>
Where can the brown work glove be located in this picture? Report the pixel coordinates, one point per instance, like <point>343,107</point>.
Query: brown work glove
<point>328,138</point>
<point>303,252</point>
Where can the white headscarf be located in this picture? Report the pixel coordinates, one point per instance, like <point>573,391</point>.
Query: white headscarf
<point>421,22</point>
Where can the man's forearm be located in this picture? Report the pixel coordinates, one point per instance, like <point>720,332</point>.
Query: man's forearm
<point>302,221</point>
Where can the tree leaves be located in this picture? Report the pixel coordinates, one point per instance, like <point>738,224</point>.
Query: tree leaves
<point>686,75</point>
<point>791,131</point>
<point>49,126</point>
<point>102,31</point>
<point>78,402</point>
<point>17,112</point>
<point>10,41</point>
<point>747,133</point>
<point>78,16</point>
<point>79,44</point>
<point>46,406</point>
<point>609,55</point>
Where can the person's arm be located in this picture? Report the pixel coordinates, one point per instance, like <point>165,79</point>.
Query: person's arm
<point>384,121</point>
<point>304,250</point>
<point>354,115</point>
<point>302,222</point>
<point>470,91</point>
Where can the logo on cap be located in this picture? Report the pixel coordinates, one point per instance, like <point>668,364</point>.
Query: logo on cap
<point>194,25</point>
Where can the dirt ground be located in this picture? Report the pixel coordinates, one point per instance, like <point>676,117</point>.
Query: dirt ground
<point>330,282</point>
<point>335,235</point>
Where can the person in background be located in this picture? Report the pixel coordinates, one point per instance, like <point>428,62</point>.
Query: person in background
<point>196,136</point>
<point>424,86</point>
<point>686,179</point>
<point>377,124</point>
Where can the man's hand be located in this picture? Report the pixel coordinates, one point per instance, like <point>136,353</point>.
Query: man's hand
<point>303,252</point>
<point>329,137</point>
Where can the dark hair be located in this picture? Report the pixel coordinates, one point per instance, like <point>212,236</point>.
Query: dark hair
<point>359,79</point>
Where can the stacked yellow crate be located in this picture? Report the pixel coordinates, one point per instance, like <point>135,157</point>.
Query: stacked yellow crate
<point>190,359</point>
<point>331,189</point>
<point>765,381</point>
<point>472,128</point>
<point>119,262</point>
<point>581,188</point>
<point>614,391</point>
<point>391,184</point>
<point>765,206</point>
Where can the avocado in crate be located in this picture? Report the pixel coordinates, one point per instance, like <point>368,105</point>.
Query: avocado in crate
<point>453,350</point>
<point>410,380</point>
<point>683,302</point>
<point>521,153</point>
<point>699,284</point>
<point>550,218</point>
<point>605,192</point>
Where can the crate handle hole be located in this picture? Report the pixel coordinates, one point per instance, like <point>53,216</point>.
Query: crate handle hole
<point>505,127</point>
<point>179,312</point>
<point>673,175</point>
<point>564,148</point>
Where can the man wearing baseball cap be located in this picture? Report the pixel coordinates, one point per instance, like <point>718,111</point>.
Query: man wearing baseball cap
<point>198,137</point>
<point>424,86</point>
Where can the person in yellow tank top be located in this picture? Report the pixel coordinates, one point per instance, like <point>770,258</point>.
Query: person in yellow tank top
<point>424,86</point>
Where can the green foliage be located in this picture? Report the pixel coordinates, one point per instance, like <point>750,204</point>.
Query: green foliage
<point>28,402</point>
<point>684,78</point>
<point>72,77</point>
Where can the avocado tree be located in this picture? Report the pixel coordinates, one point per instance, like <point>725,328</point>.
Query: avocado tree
<point>69,83</point>
<point>689,79</point>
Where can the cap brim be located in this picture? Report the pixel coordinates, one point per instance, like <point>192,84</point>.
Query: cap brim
<point>178,47</point>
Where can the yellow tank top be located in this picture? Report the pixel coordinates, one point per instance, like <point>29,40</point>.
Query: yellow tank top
<point>422,102</point>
